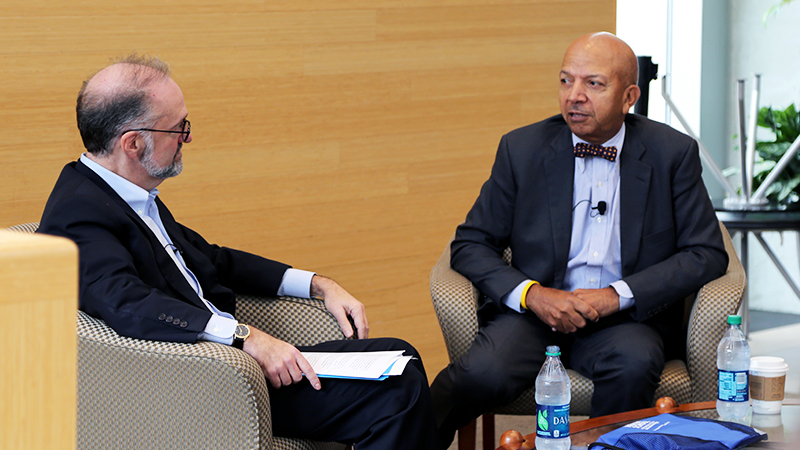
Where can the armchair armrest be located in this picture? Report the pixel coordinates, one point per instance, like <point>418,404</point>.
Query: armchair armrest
<point>455,301</point>
<point>298,321</point>
<point>137,394</point>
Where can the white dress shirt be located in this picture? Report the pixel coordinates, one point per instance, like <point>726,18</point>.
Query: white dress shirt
<point>595,259</point>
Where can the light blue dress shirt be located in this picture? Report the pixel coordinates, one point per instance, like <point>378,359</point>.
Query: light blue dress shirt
<point>221,325</point>
<point>595,259</point>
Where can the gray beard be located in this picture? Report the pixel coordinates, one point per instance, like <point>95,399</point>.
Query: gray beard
<point>153,169</point>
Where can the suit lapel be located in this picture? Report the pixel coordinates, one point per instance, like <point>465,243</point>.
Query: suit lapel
<point>164,262</point>
<point>634,189</point>
<point>184,247</point>
<point>559,195</point>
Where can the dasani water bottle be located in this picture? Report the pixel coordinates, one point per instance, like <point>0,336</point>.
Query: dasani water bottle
<point>733,364</point>
<point>552,403</point>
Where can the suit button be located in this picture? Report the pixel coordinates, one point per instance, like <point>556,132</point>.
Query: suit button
<point>168,319</point>
<point>162,316</point>
<point>184,324</point>
<point>176,321</point>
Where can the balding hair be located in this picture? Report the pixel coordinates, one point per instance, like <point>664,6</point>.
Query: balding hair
<point>115,98</point>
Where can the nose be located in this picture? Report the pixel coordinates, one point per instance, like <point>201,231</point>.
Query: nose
<point>576,93</point>
<point>188,138</point>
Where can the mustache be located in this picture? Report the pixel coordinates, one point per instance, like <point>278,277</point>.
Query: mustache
<point>180,146</point>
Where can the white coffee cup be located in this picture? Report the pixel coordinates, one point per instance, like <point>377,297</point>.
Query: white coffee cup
<point>767,383</point>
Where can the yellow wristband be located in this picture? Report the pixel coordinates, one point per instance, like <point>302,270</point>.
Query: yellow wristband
<point>525,294</point>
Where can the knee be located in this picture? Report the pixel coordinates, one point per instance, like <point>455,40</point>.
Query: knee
<point>486,383</point>
<point>636,363</point>
<point>407,389</point>
<point>399,344</point>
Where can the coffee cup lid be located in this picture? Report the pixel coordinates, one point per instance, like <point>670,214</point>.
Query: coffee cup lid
<point>768,364</point>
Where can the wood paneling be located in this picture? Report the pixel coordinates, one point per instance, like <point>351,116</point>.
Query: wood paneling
<point>38,298</point>
<point>344,136</point>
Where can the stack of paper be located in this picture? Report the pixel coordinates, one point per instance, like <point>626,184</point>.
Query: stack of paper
<point>358,365</point>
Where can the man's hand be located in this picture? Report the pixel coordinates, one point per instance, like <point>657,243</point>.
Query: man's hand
<point>605,301</point>
<point>282,363</point>
<point>562,310</point>
<point>341,304</point>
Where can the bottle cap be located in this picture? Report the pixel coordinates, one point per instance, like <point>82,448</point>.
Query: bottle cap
<point>553,350</point>
<point>734,320</point>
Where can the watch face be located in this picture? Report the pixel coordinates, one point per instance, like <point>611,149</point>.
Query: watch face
<point>242,331</point>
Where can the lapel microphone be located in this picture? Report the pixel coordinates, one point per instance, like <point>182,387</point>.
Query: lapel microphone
<point>601,207</point>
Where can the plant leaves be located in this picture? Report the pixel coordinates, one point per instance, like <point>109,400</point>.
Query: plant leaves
<point>785,125</point>
<point>772,151</point>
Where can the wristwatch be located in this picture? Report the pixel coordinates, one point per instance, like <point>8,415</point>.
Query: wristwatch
<point>240,335</point>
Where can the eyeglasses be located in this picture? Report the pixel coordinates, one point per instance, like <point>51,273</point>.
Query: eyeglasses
<point>186,130</point>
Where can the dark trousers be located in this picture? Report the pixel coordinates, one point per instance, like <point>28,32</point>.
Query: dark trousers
<point>394,413</point>
<point>623,358</point>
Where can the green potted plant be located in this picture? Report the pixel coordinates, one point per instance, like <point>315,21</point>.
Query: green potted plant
<point>785,125</point>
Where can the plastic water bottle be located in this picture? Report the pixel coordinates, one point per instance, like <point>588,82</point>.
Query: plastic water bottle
<point>552,403</point>
<point>733,365</point>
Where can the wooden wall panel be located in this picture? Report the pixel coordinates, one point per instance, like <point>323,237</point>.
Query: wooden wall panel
<point>344,136</point>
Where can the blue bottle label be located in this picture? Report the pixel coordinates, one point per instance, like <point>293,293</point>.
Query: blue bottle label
<point>552,421</point>
<point>733,386</point>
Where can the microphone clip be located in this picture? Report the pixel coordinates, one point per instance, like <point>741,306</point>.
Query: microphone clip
<point>601,207</point>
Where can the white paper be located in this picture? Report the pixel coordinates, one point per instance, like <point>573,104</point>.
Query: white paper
<point>357,365</point>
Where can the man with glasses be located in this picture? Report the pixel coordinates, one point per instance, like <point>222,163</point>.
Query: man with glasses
<point>149,277</point>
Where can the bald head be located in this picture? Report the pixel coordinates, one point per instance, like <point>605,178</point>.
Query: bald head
<point>598,86</point>
<point>609,50</point>
<point>115,98</point>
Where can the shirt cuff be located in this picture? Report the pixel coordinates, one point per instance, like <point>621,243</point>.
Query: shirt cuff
<point>219,329</point>
<point>625,294</point>
<point>296,283</point>
<point>512,299</point>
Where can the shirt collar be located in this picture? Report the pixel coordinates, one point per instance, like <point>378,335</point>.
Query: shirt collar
<point>135,196</point>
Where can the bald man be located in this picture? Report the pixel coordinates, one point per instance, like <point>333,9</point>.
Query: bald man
<point>149,277</point>
<point>607,240</point>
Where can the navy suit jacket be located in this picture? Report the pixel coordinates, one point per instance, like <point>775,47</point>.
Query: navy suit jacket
<point>671,242</point>
<point>127,278</point>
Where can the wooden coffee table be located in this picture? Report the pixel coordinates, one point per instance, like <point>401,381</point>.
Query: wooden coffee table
<point>584,432</point>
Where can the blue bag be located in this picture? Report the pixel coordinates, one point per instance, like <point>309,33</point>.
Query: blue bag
<point>670,432</point>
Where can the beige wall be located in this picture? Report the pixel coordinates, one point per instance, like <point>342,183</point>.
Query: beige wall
<point>348,137</point>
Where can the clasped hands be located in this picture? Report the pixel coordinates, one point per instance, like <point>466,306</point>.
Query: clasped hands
<point>282,363</point>
<point>568,311</point>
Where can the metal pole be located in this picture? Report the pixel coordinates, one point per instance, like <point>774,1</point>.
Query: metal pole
<point>778,264</point>
<point>751,136</point>
<point>703,152</point>
<point>745,307</point>
<point>742,141</point>
<point>668,65</point>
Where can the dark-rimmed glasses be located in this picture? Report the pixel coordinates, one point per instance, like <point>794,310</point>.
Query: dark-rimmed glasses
<point>186,130</point>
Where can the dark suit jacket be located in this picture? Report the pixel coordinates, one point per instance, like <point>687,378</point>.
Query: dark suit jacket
<point>670,238</point>
<point>127,278</point>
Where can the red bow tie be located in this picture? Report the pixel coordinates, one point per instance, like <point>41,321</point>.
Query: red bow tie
<point>583,150</point>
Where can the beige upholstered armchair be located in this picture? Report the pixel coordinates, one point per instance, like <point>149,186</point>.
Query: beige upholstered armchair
<point>136,394</point>
<point>455,301</point>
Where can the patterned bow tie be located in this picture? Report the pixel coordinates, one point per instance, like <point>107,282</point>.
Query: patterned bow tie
<point>583,150</point>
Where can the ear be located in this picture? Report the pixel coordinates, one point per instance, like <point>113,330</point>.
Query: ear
<point>131,144</point>
<point>630,97</point>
